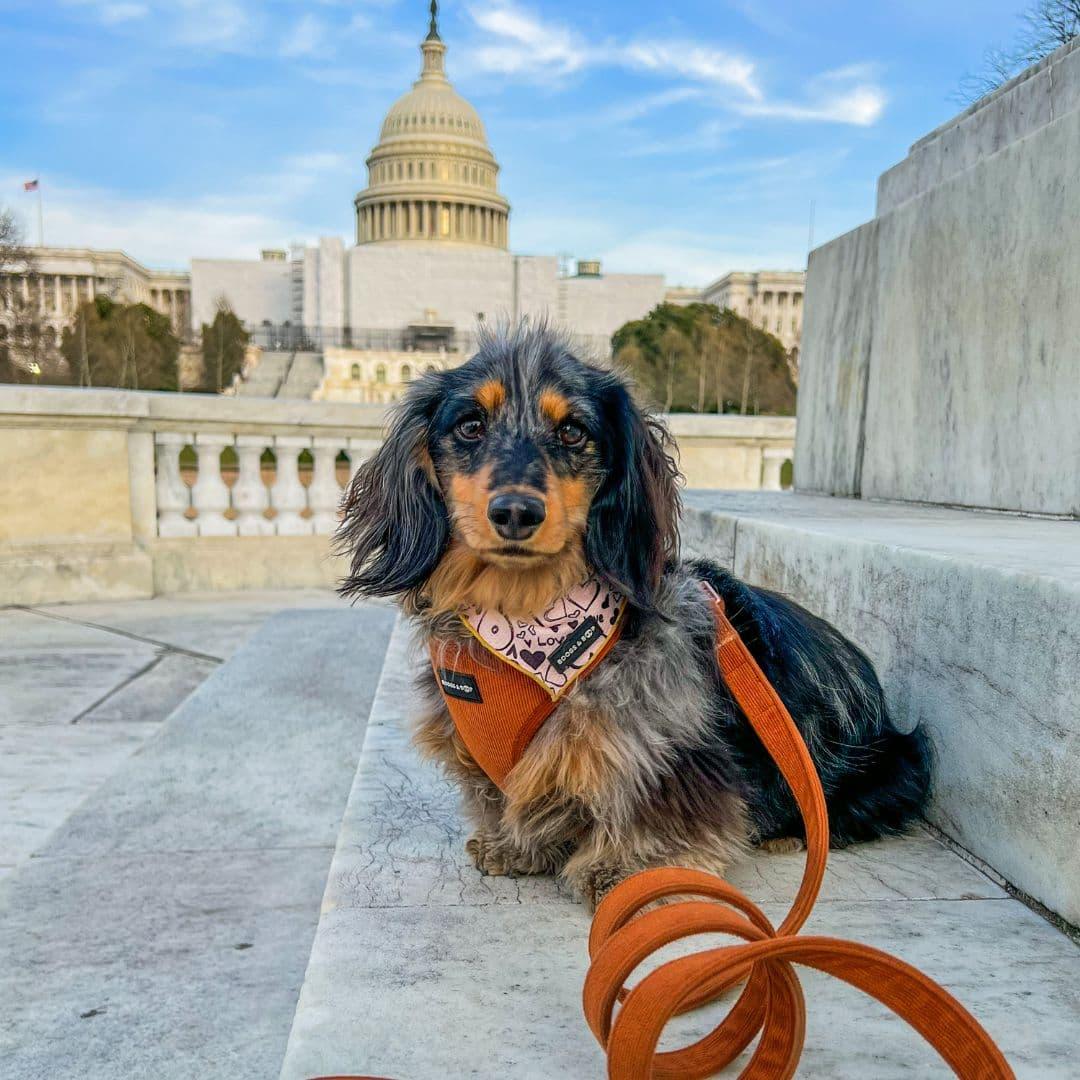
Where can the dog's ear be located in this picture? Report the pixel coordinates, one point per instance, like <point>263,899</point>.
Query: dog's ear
<point>633,527</point>
<point>395,525</point>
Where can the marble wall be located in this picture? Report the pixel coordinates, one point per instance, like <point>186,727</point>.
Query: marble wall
<point>941,359</point>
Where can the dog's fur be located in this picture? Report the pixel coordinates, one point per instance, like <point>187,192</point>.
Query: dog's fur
<point>648,761</point>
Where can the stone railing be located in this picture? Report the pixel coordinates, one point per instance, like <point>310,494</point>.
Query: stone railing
<point>110,493</point>
<point>254,498</point>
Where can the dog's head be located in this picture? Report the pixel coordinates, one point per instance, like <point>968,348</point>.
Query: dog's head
<point>501,480</point>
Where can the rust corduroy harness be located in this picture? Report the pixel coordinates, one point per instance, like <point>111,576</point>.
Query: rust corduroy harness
<point>624,934</point>
<point>497,695</point>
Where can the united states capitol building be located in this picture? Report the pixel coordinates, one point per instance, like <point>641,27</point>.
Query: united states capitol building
<point>431,261</point>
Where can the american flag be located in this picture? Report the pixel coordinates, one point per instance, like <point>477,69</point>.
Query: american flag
<point>30,185</point>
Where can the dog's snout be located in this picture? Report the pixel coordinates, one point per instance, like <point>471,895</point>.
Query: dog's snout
<point>516,516</point>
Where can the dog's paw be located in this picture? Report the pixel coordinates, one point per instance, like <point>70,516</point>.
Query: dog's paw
<point>501,858</point>
<point>493,857</point>
<point>782,845</point>
<point>599,882</point>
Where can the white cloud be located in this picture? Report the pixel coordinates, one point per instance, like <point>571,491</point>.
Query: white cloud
<point>306,37</point>
<point>525,45</point>
<point>861,106</point>
<point>706,65</point>
<point>170,230</point>
<point>710,136</point>
<point>117,13</point>
<point>521,44</point>
<point>686,258</point>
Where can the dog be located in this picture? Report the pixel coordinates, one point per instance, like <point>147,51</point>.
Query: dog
<point>505,483</point>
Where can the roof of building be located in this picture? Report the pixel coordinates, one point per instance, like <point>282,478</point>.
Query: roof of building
<point>433,108</point>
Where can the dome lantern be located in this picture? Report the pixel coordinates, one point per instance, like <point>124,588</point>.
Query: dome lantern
<point>432,175</point>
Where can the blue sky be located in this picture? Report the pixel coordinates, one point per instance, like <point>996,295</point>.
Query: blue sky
<point>686,138</point>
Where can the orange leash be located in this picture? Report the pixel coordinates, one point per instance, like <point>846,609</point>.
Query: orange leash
<point>771,1002</point>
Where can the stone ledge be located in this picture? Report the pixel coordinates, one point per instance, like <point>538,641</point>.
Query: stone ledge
<point>973,622</point>
<point>423,967</point>
<point>210,563</point>
<point>61,574</point>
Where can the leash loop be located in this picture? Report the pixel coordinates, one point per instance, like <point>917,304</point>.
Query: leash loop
<point>626,931</point>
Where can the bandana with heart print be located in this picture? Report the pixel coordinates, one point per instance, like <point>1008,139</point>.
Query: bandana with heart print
<point>556,645</point>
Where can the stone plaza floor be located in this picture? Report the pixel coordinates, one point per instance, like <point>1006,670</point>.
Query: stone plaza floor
<point>82,685</point>
<point>191,889</point>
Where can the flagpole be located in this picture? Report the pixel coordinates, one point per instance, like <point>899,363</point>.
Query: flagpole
<point>40,216</point>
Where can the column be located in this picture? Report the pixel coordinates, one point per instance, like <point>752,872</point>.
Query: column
<point>772,461</point>
<point>325,492</point>
<point>173,495</point>
<point>251,497</point>
<point>210,495</point>
<point>288,496</point>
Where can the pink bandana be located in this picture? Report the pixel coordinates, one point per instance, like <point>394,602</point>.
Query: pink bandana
<point>556,646</point>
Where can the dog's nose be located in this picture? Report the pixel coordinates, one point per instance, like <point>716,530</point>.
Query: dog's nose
<point>516,516</point>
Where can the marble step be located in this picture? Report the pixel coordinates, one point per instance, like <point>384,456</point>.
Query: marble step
<point>304,376</point>
<point>421,967</point>
<point>164,929</point>
<point>973,622</point>
<point>266,379</point>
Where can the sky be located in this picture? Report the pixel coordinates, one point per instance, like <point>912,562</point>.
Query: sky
<point>689,139</point>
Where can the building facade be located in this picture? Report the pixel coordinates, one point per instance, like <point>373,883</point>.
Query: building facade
<point>60,279</point>
<point>431,262</point>
<point>771,299</point>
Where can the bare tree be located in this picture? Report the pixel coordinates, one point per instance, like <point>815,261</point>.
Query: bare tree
<point>748,367</point>
<point>1045,26</point>
<point>674,348</point>
<point>14,258</point>
<point>25,352</point>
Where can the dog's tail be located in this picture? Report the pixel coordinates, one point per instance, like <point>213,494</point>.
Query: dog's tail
<point>887,792</point>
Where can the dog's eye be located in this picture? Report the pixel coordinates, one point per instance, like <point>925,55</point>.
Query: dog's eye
<point>471,429</point>
<point>571,434</point>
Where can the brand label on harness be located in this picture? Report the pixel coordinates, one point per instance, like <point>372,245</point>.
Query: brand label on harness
<point>457,684</point>
<point>575,644</point>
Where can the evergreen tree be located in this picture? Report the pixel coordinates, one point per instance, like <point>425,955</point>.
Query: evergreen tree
<point>697,358</point>
<point>224,345</point>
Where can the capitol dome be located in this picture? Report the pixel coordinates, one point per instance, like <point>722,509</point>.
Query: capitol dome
<point>432,175</point>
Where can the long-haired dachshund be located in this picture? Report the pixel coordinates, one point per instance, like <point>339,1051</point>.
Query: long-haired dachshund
<point>507,482</point>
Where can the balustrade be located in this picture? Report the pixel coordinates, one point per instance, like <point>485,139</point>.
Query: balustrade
<point>773,459</point>
<point>255,504</point>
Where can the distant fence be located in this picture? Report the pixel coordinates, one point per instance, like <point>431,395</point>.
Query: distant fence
<point>289,337</point>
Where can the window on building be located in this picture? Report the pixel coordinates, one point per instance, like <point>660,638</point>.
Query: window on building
<point>355,373</point>
<point>796,299</point>
<point>380,373</point>
<point>779,326</point>
<point>406,373</point>
<point>767,298</point>
<point>781,298</point>
<point>429,369</point>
